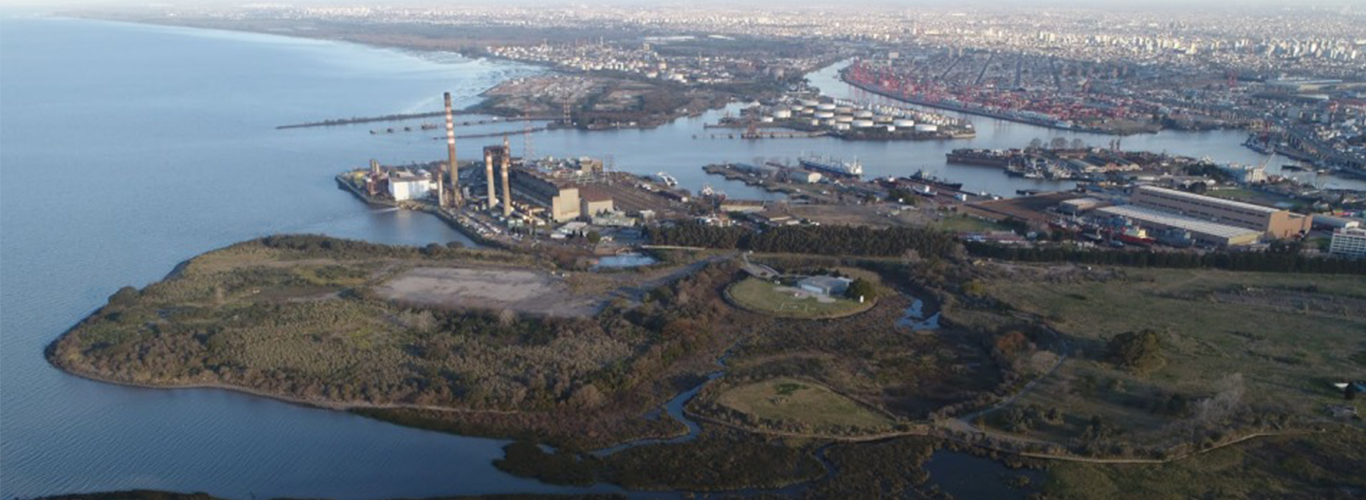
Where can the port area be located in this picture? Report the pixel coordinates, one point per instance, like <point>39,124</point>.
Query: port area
<point>1064,161</point>
<point>894,84</point>
<point>806,113</point>
<point>805,186</point>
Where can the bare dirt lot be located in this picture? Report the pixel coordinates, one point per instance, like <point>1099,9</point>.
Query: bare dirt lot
<point>518,290</point>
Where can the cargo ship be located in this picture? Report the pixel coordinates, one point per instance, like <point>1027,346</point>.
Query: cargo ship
<point>831,165</point>
<point>988,157</point>
<point>921,177</point>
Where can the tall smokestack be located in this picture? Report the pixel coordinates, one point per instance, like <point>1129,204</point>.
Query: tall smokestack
<point>488,172</point>
<point>450,150</point>
<point>507,190</point>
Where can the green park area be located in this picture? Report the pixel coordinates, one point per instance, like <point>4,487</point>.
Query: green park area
<point>802,402</point>
<point>790,301</point>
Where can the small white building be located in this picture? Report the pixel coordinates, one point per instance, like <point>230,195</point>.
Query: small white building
<point>825,285</point>
<point>405,185</point>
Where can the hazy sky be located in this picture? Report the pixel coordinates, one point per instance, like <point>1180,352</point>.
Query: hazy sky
<point>1099,4</point>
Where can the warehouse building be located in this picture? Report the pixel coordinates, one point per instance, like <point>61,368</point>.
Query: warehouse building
<point>825,285</point>
<point>1274,223</point>
<point>594,201</point>
<point>561,201</point>
<point>405,185</point>
<point>1203,231</point>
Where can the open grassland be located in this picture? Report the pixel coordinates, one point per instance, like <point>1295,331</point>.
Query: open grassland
<point>801,401</point>
<point>1238,351</point>
<point>765,297</point>
<point>967,224</point>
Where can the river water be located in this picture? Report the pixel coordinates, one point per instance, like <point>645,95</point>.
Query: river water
<point>127,149</point>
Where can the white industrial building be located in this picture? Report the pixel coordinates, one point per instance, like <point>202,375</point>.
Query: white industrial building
<point>1349,242</point>
<point>405,185</point>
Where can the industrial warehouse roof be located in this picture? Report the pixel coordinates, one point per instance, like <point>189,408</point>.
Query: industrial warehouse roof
<point>1192,224</point>
<point>1209,199</point>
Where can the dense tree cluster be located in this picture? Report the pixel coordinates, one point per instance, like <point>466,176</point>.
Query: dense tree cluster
<point>1139,351</point>
<point>1283,262</point>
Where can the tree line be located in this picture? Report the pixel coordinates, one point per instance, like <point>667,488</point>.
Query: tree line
<point>827,240</point>
<point>1273,261</point>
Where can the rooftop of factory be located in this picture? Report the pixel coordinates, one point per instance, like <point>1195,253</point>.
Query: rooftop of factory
<point>1176,220</point>
<point>1208,199</point>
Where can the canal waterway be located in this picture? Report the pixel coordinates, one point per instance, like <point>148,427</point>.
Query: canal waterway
<point>127,149</point>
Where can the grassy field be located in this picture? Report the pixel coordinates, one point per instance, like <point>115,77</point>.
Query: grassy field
<point>801,401</point>
<point>1270,343</point>
<point>765,297</point>
<point>1309,466</point>
<point>966,224</point>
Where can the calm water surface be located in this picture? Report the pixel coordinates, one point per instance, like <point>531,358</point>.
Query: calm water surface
<point>126,149</point>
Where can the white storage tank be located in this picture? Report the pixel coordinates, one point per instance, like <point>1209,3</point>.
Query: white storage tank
<point>808,111</point>
<point>844,118</point>
<point>841,126</point>
<point>815,123</point>
<point>882,119</point>
<point>904,123</point>
<point>828,123</point>
<point>925,127</point>
<point>782,113</point>
<point>891,128</point>
<point>825,115</point>
<point>825,106</point>
<point>844,110</point>
<point>808,103</point>
<point>862,123</point>
<point>863,113</point>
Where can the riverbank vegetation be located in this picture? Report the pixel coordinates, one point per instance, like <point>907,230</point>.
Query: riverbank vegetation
<point>298,318</point>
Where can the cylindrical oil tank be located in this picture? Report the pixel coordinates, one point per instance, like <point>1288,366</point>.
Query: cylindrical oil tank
<point>782,113</point>
<point>844,118</point>
<point>824,115</point>
<point>904,123</point>
<point>925,127</point>
<point>863,113</point>
<point>826,106</point>
<point>862,123</point>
